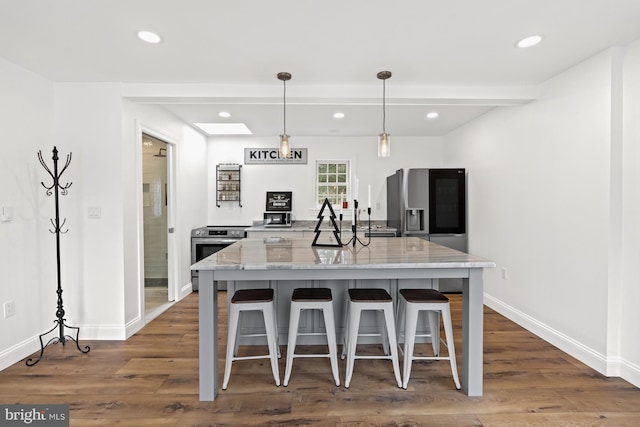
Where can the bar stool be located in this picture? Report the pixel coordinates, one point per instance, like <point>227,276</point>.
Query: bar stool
<point>413,301</point>
<point>377,300</point>
<point>252,300</point>
<point>312,299</point>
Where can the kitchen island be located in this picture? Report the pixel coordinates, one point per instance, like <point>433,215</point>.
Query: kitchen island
<point>392,259</point>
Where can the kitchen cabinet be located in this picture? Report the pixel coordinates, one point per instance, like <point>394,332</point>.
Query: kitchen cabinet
<point>228,183</point>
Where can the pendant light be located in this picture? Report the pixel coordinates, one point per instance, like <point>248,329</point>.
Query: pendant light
<point>384,142</point>
<point>285,148</point>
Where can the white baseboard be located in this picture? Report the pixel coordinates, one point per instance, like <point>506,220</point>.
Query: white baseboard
<point>609,366</point>
<point>133,326</point>
<point>185,290</point>
<point>16,353</point>
<point>102,332</point>
<point>630,372</point>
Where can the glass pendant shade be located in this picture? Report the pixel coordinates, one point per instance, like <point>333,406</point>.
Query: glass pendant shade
<point>285,149</point>
<point>384,145</point>
<point>384,142</point>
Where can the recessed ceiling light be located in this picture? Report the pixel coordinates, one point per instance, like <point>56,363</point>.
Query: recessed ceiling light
<point>529,41</point>
<point>432,115</point>
<point>224,114</point>
<point>224,128</point>
<point>338,115</point>
<point>149,37</point>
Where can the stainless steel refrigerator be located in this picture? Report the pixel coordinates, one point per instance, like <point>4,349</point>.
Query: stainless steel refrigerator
<point>430,204</point>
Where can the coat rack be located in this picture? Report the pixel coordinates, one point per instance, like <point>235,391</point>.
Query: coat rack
<point>56,189</point>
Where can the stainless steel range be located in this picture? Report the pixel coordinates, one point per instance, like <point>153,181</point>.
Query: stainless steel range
<point>208,240</point>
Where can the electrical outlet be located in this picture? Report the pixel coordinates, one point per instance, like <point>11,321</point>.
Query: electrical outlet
<point>9,309</point>
<point>505,273</point>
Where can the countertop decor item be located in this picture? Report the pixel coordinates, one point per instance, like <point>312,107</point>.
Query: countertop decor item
<point>354,226</point>
<point>336,231</point>
<point>56,189</point>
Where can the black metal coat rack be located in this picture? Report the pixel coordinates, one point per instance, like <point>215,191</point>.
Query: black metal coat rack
<point>56,189</point>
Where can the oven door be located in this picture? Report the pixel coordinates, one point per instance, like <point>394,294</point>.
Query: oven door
<point>202,248</point>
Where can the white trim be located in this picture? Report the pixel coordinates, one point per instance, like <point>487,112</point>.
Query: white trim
<point>19,351</point>
<point>610,366</point>
<point>133,326</point>
<point>102,332</point>
<point>172,246</point>
<point>630,372</point>
<point>585,354</point>
<point>316,183</point>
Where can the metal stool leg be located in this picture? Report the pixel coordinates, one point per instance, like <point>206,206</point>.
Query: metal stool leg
<point>329,324</point>
<point>448,330</point>
<point>354,324</point>
<point>393,343</point>
<point>272,339</point>
<point>294,318</point>
<point>232,339</point>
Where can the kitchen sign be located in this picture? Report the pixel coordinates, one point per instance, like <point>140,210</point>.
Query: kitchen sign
<point>261,156</point>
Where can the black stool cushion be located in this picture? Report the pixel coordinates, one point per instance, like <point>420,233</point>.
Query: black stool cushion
<point>369,295</point>
<point>423,295</point>
<point>311,294</point>
<point>252,295</point>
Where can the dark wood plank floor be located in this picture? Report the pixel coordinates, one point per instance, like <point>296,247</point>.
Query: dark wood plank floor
<point>152,380</point>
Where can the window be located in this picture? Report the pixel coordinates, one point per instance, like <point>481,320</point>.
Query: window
<point>332,181</point>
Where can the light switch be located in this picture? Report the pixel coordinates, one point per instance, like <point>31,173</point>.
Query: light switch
<point>94,212</point>
<point>6,213</point>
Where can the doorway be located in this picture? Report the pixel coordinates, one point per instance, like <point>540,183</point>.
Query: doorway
<point>155,204</point>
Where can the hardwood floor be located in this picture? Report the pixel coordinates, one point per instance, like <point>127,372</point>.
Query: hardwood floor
<point>152,380</point>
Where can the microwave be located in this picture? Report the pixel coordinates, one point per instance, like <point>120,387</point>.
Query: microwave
<point>277,219</point>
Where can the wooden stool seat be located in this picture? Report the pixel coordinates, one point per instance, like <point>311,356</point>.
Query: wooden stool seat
<point>423,295</point>
<point>369,295</point>
<point>248,296</point>
<point>311,294</point>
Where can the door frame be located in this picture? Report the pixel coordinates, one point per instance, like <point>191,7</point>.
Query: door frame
<point>172,246</point>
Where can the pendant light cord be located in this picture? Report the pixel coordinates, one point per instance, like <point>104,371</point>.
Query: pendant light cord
<point>384,106</point>
<point>284,103</point>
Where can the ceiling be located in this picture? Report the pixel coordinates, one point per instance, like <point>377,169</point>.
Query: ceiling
<point>456,57</point>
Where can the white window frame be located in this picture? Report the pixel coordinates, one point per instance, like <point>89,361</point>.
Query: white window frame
<point>319,183</point>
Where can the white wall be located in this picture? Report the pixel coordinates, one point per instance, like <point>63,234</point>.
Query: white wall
<point>88,124</point>
<point>541,204</point>
<point>407,152</point>
<point>27,249</point>
<point>629,313</point>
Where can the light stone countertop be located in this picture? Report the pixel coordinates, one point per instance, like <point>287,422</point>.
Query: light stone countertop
<point>311,225</point>
<point>382,253</point>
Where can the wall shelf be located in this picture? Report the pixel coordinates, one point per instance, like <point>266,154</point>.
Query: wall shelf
<point>228,183</point>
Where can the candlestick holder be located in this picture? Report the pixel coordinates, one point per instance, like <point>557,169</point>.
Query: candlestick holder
<point>354,227</point>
